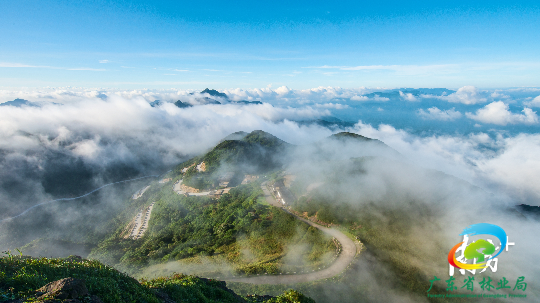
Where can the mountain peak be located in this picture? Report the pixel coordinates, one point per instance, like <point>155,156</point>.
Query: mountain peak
<point>18,103</point>
<point>347,135</point>
<point>236,136</point>
<point>263,138</point>
<point>215,93</point>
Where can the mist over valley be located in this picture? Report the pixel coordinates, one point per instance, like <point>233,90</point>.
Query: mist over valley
<point>219,188</point>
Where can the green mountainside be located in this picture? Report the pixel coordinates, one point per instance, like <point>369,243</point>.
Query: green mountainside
<point>22,279</point>
<point>237,229</point>
<point>353,183</point>
<point>233,233</point>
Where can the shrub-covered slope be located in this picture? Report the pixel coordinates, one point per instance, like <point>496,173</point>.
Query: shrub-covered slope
<point>21,277</point>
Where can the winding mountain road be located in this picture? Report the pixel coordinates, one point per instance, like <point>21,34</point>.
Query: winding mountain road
<point>348,252</point>
<point>75,198</point>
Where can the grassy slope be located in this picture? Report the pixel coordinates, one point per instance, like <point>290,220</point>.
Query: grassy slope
<point>20,277</point>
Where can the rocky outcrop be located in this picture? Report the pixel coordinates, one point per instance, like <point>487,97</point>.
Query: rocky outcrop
<point>67,290</point>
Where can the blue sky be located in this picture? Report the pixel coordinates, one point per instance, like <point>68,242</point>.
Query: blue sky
<point>300,44</point>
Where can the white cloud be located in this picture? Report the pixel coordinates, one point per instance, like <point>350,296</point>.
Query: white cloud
<point>268,112</point>
<point>286,95</point>
<point>498,113</point>
<point>87,148</point>
<point>381,99</point>
<point>517,167</point>
<point>465,95</point>
<point>510,166</point>
<point>332,105</point>
<point>359,98</point>
<point>445,153</point>
<point>104,61</point>
<point>499,95</point>
<point>366,98</point>
<point>434,113</point>
<point>132,122</point>
<point>534,103</point>
<point>407,96</point>
<point>283,90</point>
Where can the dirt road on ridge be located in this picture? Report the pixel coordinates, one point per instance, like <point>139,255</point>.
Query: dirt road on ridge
<point>348,252</point>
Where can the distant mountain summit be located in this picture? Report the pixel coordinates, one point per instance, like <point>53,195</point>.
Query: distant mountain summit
<point>257,151</point>
<point>19,103</point>
<point>214,93</point>
<point>347,135</point>
<point>181,104</point>
<point>156,103</point>
<point>236,136</point>
<point>206,100</point>
<point>264,139</point>
<point>247,102</point>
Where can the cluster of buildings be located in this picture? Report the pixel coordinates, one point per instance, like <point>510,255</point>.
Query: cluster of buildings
<point>140,224</point>
<point>225,179</point>
<point>219,192</point>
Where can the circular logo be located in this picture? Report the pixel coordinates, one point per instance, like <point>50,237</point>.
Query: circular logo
<point>472,250</point>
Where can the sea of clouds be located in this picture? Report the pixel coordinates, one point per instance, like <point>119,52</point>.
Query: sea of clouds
<point>97,136</point>
<point>101,127</point>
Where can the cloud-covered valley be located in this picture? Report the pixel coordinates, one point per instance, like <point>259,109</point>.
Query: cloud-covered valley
<point>101,129</point>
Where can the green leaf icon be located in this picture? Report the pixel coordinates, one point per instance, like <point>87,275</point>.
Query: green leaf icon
<point>472,251</point>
